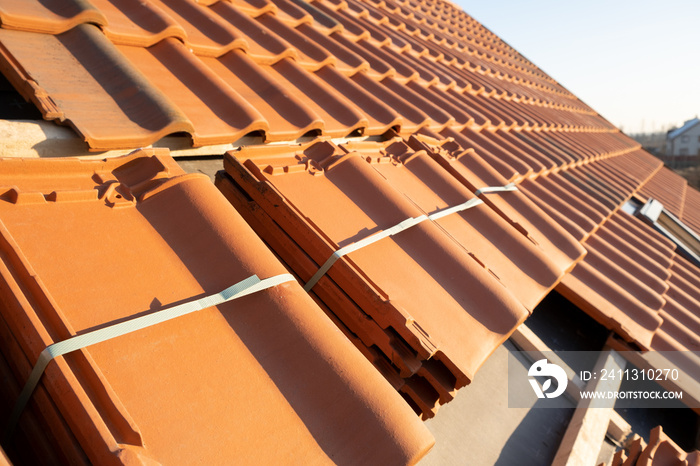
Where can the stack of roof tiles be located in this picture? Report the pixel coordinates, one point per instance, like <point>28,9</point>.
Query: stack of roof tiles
<point>431,303</point>
<point>262,379</point>
<point>396,110</point>
<point>661,450</point>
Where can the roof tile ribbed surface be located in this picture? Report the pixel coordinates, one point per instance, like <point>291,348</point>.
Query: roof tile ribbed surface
<point>284,69</point>
<point>105,241</point>
<point>661,450</point>
<point>437,108</point>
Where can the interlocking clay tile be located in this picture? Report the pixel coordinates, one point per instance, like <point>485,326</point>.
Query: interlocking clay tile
<point>207,33</point>
<point>398,359</point>
<point>618,458</point>
<point>263,45</point>
<point>519,264</point>
<point>691,214</point>
<point>266,378</point>
<point>380,116</point>
<point>661,450</point>
<point>336,301</point>
<point>415,270</point>
<point>218,113</point>
<point>125,108</point>
<point>51,17</point>
<point>474,173</point>
<point>289,117</point>
<point>397,362</point>
<point>136,23</point>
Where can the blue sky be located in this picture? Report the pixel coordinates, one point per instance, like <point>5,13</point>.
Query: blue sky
<point>637,63</point>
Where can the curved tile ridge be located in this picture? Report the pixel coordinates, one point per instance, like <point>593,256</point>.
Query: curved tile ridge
<point>284,362</point>
<point>49,16</point>
<point>218,112</point>
<point>80,78</point>
<point>663,450</point>
<point>132,22</point>
<point>207,33</point>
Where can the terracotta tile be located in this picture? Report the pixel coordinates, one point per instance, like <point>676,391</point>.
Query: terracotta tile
<point>412,93</point>
<point>679,326</point>
<point>310,55</point>
<point>691,212</point>
<point>516,209</point>
<point>349,185</point>
<point>289,117</point>
<point>367,331</point>
<point>412,117</point>
<point>289,358</point>
<point>475,111</point>
<point>499,166</point>
<point>565,215</point>
<point>594,291</point>
<point>297,13</point>
<point>618,458</point>
<point>634,450</point>
<point>608,241</point>
<point>207,34</point>
<point>347,62</point>
<point>218,113</point>
<point>340,116</point>
<point>378,67</point>
<point>351,27</point>
<point>136,23</point>
<point>254,8</point>
<point>50,17</point>
<point>669,188</point>
<point>661,450</point>
<point>83,59</point>
<point>685,270</point>
<point>522,267</point>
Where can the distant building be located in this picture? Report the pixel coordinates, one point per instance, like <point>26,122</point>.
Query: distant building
<point>683,145</point>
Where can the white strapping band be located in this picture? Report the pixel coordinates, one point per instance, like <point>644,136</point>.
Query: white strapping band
<point>495,189</point>
<point>245,287</point>
<point>408,223</point>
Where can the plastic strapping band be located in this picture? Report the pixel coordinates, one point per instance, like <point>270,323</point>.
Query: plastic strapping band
<point>408,223</point>
<point>458,208</point>
<point>495,189</point>
<point>245,287</point>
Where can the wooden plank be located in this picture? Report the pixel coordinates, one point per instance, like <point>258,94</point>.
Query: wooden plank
<point>589,424</point>
<point>618,429</point>
<point>44,139</point>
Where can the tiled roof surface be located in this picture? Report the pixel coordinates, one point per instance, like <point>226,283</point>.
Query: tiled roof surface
<point>436,108</point>
<point>660,451</point>
<point>261,379</point>
<point>221,70</point>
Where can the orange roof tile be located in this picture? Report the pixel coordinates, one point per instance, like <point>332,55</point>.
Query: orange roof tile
<point>449,108</point>
<point>224,70</point>
<point>264,378</point>
<point>661,450</point>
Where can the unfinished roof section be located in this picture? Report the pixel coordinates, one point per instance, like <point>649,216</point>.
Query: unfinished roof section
<point>266,377</point>
<point>221,70</point>
<point>451,110</point>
